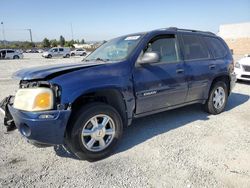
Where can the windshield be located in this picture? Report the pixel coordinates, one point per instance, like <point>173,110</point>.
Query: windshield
<point>116,49</point>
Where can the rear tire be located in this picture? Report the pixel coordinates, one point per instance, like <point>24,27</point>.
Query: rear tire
<point>16,57</point>
<point>94,131</point>
<point>217,100</point>
<point>72,54</point>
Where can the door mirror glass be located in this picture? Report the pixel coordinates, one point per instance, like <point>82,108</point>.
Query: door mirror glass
<point>149,57</point>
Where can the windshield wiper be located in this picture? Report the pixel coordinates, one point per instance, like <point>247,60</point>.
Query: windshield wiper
<point>100,59</point>
<point>96,59</point>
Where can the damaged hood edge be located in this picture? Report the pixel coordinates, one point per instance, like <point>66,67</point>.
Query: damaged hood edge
<point>51,71</point>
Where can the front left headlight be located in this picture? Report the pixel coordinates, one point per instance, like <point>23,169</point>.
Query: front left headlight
<point>237,65</point>
<point>34,99</point>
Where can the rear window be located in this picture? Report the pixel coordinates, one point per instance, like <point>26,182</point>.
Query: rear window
<point>194,48</point>
<point>216,46</point>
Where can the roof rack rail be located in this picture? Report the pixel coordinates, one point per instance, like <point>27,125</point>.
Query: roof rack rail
<point>190,30</point>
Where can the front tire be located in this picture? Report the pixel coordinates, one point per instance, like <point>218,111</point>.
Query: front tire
<point>16,57</point>
<point>217,100</point>
<point>94,131</point>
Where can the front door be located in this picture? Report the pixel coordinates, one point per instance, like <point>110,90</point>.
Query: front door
<point>163,84</point>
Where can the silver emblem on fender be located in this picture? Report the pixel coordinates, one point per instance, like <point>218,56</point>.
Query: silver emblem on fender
<point>149,93</point>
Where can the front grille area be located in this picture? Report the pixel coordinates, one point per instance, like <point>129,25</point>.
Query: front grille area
<point>245,76</point>
<point>246,68</point>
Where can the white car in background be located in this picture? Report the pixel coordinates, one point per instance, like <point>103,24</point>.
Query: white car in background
<point>10,54</point>
<point>57,52</point>
<point>242,68</point>
<point>80,52</point>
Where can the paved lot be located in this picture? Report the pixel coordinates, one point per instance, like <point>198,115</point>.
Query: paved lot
<point>180,148</point>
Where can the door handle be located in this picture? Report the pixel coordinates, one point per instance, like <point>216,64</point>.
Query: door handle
<point>211,67</point>
<point>179,71</point>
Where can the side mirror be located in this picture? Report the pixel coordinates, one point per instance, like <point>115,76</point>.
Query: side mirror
<point>149,57</point>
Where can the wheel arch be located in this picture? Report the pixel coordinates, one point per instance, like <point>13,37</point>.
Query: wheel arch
<point>111,96</point>
<point>225,78</point>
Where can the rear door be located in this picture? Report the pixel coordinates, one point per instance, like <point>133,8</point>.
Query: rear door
<point>163,84</point>
<point>198,65</point>
<point>9,54</point>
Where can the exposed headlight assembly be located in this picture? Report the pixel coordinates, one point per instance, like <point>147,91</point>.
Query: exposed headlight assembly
<point>34,99</point>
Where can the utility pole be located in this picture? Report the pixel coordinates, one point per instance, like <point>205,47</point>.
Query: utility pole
<point>72,36</point>
<point>4,39</point>
<point>30,35</point>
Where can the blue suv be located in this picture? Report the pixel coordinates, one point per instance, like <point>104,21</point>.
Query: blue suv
<point>85,106</point>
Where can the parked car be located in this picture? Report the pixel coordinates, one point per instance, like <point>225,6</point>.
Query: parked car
<point>57,52</point>
<point>80,52</point>
<point>242,68</point>
<point>32,51</point>
<point>85,106</point>
<point>40,50</point>
<point>10,54</point>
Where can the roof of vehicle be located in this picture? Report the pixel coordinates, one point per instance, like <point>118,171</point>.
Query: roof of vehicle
<point>8,49</point>
<point>175,29</point>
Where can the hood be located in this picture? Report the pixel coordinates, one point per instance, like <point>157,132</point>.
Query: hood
<point>245,61</point>
<point>51,71</point>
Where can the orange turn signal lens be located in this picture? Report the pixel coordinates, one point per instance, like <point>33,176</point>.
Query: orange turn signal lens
<point>43,101</point>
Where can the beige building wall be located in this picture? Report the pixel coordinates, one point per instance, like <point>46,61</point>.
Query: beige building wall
<point>237,36</point>
<point>240,46</point>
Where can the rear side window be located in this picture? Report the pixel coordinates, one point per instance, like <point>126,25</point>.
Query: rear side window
<point>194,48</point>
<point>61,49</point>
<point>216,46</point>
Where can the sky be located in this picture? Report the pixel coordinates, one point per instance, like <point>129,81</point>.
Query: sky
<point>96,20</point>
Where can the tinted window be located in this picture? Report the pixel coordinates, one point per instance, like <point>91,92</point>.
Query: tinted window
<point>10,51</point>
<point>167,48</point>
<point>61,49</point>
<point>216,46</point>
<point>194,48</point>
<point>79,50</point>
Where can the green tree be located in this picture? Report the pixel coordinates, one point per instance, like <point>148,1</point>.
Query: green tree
<point>46,43</point>
<point>54,43</point>
<point>82,41</point>
<point>27,45</point>
<point>62,41</point>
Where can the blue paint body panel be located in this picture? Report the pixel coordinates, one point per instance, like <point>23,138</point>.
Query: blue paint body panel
<point>43,131</point>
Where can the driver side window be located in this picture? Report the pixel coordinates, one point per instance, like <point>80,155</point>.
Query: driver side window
<point>166,46</point>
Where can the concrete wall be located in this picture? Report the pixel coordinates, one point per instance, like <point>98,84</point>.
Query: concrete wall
<point>237,36</point>
<point>239,46</point>
<point>234,31</point>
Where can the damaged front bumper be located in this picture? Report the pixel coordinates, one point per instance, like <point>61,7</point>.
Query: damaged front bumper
<point>45,127</point>
<point>8,119</point>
